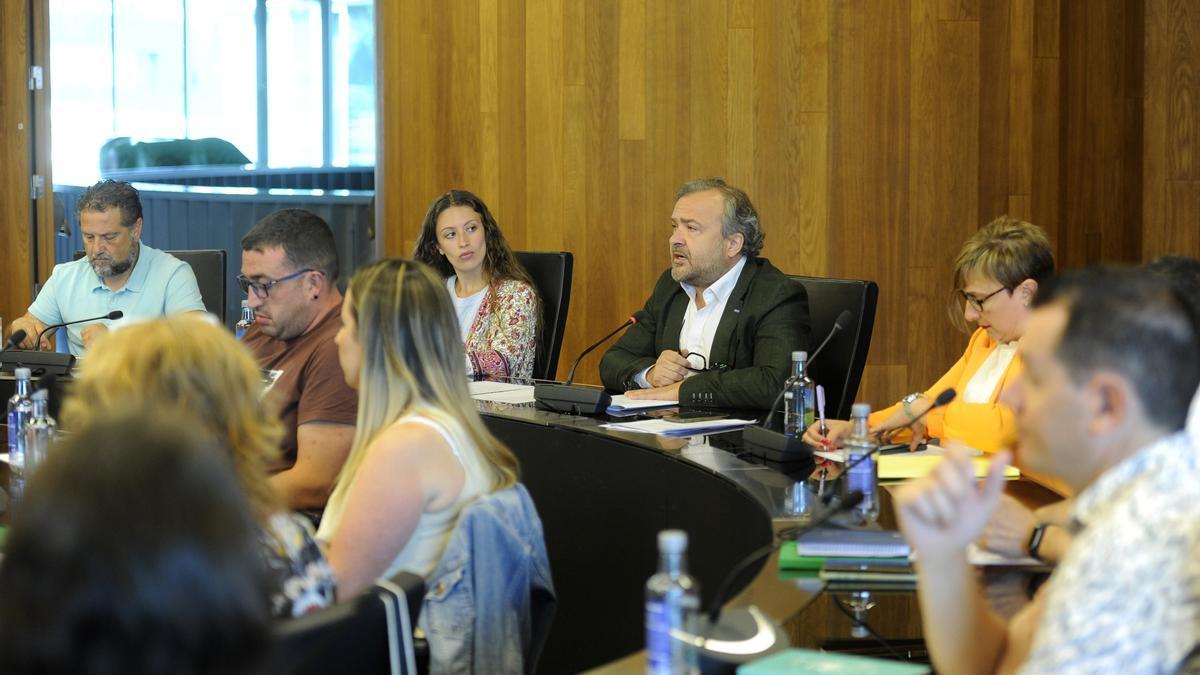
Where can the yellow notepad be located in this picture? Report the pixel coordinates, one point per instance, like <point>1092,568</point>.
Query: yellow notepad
<point>906,465</point>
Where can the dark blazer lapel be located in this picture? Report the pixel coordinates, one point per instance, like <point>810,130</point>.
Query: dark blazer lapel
<point>677,304</point>
<point>720,352</point>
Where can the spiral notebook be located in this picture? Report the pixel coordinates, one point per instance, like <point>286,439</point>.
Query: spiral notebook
<point>830,542</point>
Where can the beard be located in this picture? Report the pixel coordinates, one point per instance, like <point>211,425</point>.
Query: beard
<point>694,272</point>
<point>104,265</point>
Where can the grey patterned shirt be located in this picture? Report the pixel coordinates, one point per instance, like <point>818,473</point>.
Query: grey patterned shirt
<point>1126,597</point>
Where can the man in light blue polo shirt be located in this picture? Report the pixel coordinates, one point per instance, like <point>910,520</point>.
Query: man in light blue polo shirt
<point>118,273</point>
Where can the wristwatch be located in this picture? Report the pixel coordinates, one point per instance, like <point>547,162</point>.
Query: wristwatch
<point>1035,540</point>
<point>909,399</point>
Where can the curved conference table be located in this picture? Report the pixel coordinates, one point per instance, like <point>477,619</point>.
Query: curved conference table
<point>603,495</point>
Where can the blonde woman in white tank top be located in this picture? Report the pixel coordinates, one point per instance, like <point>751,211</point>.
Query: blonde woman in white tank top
<point>420,451</point>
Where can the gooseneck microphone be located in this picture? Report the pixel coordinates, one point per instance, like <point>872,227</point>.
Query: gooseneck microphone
<point>636,317</point>
<point>574,399</point>
<point>15,339</point>
<point>844,318</point>
<point>744,634</point>
<point>111,316</point>
<point>772,445</point>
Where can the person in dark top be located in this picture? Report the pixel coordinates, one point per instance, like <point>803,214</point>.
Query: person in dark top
<point>721,324</point>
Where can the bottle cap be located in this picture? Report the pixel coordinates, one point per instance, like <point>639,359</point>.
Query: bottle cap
<point>23,373</point>
<point>40,395</point>
<point>860,410</point>
<point>672,541</point>
<point>799,356</point>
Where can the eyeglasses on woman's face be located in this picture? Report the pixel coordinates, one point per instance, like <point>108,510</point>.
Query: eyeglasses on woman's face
<point>975,302</point>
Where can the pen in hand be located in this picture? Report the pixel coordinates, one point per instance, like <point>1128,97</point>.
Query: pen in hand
<point>821,414</point>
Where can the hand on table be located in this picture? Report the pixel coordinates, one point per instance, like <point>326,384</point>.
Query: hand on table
<point>901,419</point>
<point>946,510</point>
<point>837,430</point>
<point>667,393</point>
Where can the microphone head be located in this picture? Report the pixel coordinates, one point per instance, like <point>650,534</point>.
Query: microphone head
<point>638,316</point>
<point>853,499</point>
<point>843,319</point>
<point>944,398</point>
<point>115,314</point>
<point>16,338</point>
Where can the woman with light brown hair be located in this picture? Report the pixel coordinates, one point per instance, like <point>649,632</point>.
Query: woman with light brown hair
<point>420,450</point>
<point>195,369</point>
<point>996,276</point>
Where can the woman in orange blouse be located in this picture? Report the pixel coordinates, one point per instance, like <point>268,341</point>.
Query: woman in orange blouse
<point>497,305</point>
<point>996,276</point>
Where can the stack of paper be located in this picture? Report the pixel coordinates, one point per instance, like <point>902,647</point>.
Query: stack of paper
<point>906,465</point>
<point>803,661</point>
<point>622,405</point>
<point>501,392</point>
<point>666,428</point>
<point>829,542</point>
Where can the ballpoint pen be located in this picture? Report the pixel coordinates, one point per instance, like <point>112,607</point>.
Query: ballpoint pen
<point>821,415</point>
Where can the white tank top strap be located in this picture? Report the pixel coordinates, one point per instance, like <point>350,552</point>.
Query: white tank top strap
<point>442,431</point>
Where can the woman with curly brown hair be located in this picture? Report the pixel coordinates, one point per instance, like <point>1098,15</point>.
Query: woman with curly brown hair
<point>497,305</point>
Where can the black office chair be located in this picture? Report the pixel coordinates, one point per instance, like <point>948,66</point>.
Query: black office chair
<point>371,634</point>
<point>209,266</point>
<point>839,368</point>
<point>551,272</point>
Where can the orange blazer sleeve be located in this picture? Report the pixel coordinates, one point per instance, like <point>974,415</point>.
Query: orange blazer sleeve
<point>986,426</point>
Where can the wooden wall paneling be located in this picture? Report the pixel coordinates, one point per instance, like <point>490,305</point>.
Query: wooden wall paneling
<point>1101,100</point>
<point>600,251</point>
<point>868,146</point>
<point>1020,107</point>
<point>489,105</point>
<point>994,64</point>
<point>16,246</point>
<point>741,148</point>
<point>787,110</point>
<point>46,215</point>
<point>1171,149</point>
<point>669,123</point>
<point>709,73</point>
<point>512,122</point>
<point>544,77</point>
<point>943,181</point>
<point>1159,26</point>
<point>1045,196</point>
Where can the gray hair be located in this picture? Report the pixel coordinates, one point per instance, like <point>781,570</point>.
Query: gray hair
<point>109,194</point>
<point>740,216</point>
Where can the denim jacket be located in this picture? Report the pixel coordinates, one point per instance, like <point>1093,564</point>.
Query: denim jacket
<point>490,600</point>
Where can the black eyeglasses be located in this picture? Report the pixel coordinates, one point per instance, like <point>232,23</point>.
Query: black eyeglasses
<point>705,367</point>
<point>977,303</point>
<point>263,290</point>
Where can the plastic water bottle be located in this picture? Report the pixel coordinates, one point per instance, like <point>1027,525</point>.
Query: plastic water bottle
<point>672,603</point>
<point>20,407</point>
<point>246,321</point>
<point>40,431</point>
<point>864,475</point>
<point>799,403</point>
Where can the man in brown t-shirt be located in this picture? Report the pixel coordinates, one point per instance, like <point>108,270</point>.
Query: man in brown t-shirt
<point>289,270</point>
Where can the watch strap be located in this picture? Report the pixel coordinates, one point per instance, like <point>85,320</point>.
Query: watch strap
<point>1035,540</point>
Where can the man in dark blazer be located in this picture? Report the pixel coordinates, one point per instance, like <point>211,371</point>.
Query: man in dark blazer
<point>721,325</point>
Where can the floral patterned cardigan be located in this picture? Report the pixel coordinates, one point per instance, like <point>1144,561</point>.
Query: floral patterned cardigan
<point>503,337</point>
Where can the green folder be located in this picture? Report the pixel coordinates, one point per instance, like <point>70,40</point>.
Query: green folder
<point>801,661</point>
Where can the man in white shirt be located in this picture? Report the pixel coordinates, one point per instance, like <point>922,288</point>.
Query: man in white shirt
<point>1111,364</point>
<point>721,324</point>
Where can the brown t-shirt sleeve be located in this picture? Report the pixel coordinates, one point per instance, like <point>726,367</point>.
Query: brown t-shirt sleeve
<point>324,394</point>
